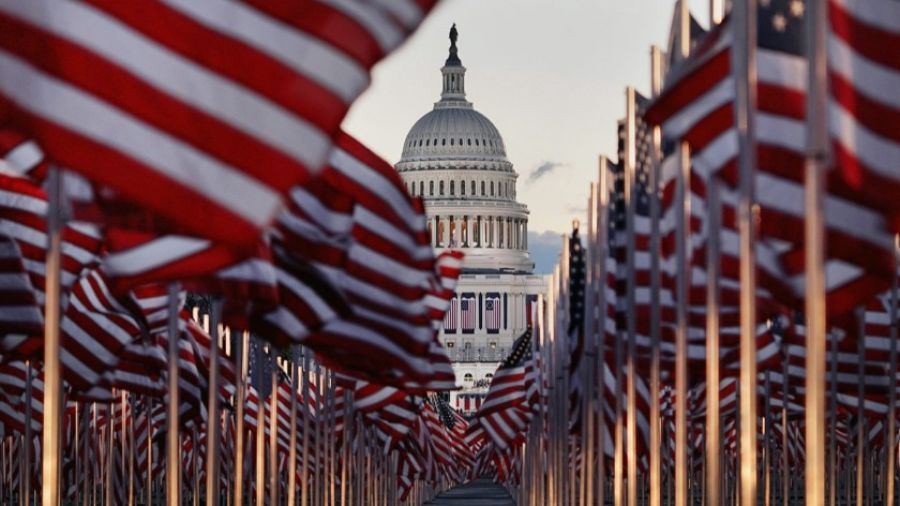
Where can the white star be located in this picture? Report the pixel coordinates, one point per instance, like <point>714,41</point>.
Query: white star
<point>779,22</point>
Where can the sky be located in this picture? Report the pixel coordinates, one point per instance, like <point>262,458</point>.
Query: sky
<point>550,74</point>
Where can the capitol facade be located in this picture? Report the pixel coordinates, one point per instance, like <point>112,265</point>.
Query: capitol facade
<point>455,160</point>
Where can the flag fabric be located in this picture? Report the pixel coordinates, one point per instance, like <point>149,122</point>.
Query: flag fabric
<point>492,312</point>
<point>863,74</point>
<point>575,330</point>
<point>697,107</point>
<point>221,145</point>
<point>452,316</point>
<point>504,416</point>
<point>468,313</point>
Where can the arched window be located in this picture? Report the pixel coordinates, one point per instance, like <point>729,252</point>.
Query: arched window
<point>421,188</point>
<point>476,142</point>
<point>451,141</point>
<point>441,186</point>
<point>450,344</point>
<point>488,376</point>
<point>469,141</point>
<point>462,187</point>
<point>431,187</point>
<point>467,377</point>
<point>452,188</point>
<point>460,142</point>
<point>473,187</point>
<point>482,188</point>
<point>443,142</point>
<point>492,188</point>
<point>427,142</point>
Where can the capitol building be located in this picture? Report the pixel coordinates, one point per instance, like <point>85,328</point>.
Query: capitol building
<point>455,160</point>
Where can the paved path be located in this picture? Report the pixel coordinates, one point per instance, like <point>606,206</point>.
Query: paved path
<point>474,493</point>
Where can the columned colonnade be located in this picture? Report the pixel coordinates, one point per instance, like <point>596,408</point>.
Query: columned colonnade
<point>464,231</point>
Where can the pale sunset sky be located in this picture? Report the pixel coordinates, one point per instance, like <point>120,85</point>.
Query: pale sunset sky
<point>550,74</point>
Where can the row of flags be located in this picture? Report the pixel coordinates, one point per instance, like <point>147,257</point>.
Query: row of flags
<point>700,367</point>
<point>173,155</point>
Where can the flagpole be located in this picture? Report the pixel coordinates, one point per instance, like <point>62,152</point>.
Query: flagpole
<point>51,445</point>
<point>817,148</point>
<point>832,417</point>
<point>130,455</point>
<point>149,484</point>
<point>890,440</point>
<point>860,413</point>
<point>602,254</point>
<point>260,430</point>
<point>304,462</point>
<point>110,426</point>
<point>346,447</point>
<point>656,76</point>
<point>292,448</point>
<point>241,353</point>
<point>28,438</point>
<point>212,407</point>
<point>744,70</point>
<point>682,282</point>
<point>590,333</point>
<point>274,473</point>
<point>173,468</point>
<point>713,443</point>
<point>630,323</point>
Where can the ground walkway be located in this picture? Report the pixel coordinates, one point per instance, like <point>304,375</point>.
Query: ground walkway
<point>474,493</point>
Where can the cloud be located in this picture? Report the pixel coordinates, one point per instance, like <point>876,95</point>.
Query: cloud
<point>543,169</point>
<point>544,248</point>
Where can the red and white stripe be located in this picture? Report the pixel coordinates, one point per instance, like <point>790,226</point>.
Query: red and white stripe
<point>225,138</point>
<point>864,108</point>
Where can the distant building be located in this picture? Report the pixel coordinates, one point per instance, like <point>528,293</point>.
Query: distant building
<point>455,159</point>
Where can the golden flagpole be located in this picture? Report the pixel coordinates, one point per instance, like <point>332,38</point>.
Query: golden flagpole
<point>212,407</point>
<point>173,442</point>
<point>630,323</point>
<point>744,70</point>
<point>242,352</point>
<point>52,445</point>
<point>656,76</point>
<point>814,247</point>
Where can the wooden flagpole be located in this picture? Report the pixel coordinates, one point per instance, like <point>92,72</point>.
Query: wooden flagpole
<point>242,356</point>
<point>274,473</point>
<point>148,487</point>
<point>682,282</point>
<point>304,460</point>
<point>656,76</point>
<point>212,407</point>
<point>603,253</point>
<point>814,246</point>
<point>713,417</point>
<point>173,442</point>
<point>51,446</point>
<point>630,316</point>
<point>890,441</point>
<point>744,71</point>
<point>260,460</point>
<point>292,448</point>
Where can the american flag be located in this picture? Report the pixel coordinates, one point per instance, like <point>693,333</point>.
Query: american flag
<point>697,107</point>
<point>451,316</point>
<point>250,125</point>
<point>575,332</point>
<point>504,415</point>
<point>468,311</point>
<point>492,312</point>
<point>864,75</point>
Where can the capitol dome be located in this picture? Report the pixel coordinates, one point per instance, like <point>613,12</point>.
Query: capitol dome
<point>458,132</point>
<point>455,159</point>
